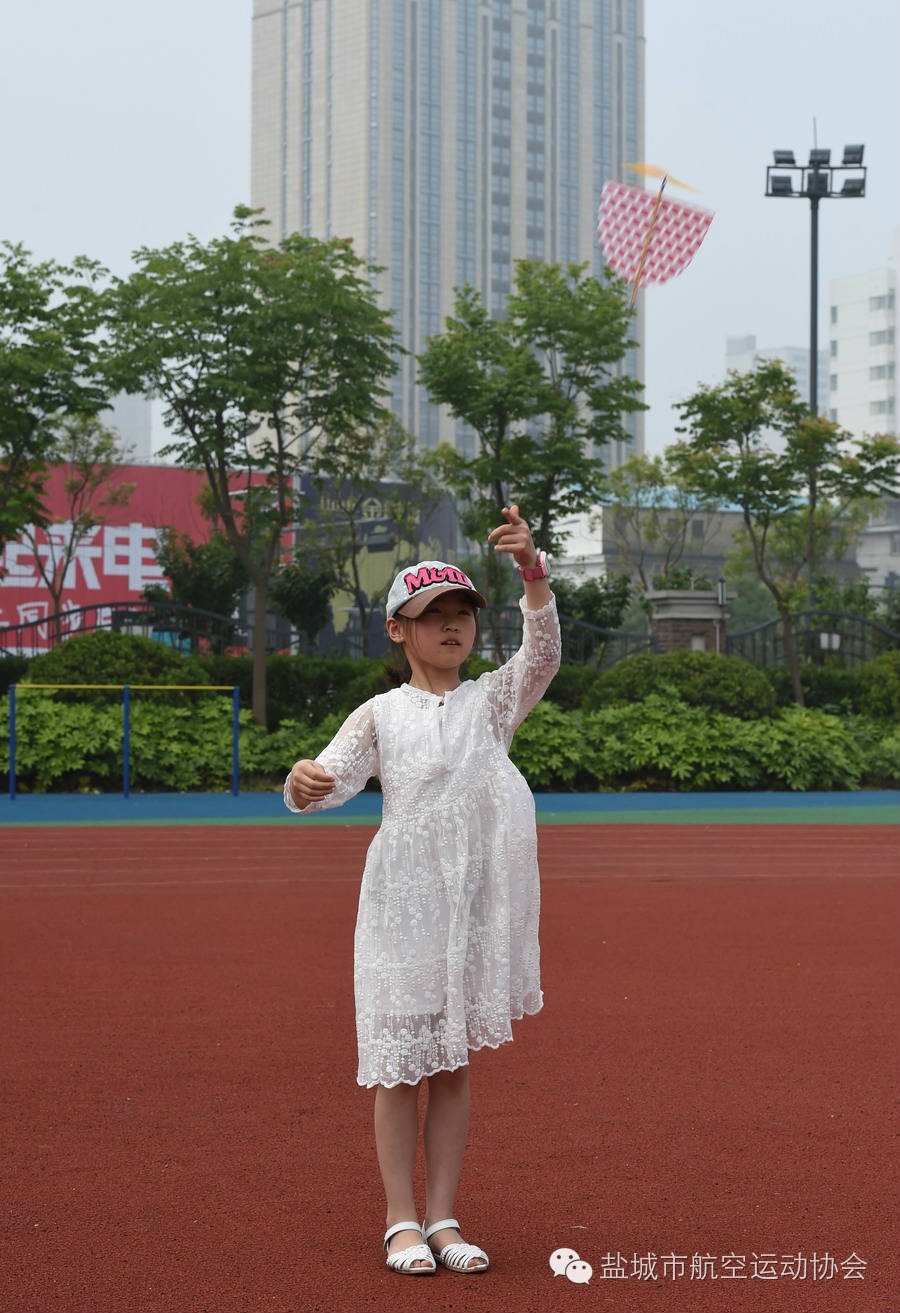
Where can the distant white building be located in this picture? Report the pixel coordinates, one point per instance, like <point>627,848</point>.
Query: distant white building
<point>131,418</point>
<point>863,349</point>
<point>742,352</point>
<point>878,553</point>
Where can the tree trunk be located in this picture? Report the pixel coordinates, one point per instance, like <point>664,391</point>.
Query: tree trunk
<point>790,651</point>
<point>260,608</point>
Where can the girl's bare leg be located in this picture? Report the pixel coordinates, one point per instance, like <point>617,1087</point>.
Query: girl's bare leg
<point>446,1127</point>
<point>396,1134</point>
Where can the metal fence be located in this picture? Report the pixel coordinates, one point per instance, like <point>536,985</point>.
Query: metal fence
<point>833,637</point>
<point>582,644</point>
<point>188,629</point>
<point>191,630</point>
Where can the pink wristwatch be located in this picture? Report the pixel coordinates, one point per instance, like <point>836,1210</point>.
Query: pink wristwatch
<point>540,570</point>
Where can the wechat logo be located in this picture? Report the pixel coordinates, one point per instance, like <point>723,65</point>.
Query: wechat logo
<point>565,1262</point>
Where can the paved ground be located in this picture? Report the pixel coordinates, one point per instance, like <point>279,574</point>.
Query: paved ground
<point>713,1074</point>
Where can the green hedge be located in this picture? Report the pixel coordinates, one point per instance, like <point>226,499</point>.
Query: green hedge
<point>657,744</point>
<point>64,747</point>
<point>700,679</point>
<point>684,721</point>
<point>662,744</point>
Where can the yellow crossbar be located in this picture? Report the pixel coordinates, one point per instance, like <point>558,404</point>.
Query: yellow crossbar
<point>159,688</point>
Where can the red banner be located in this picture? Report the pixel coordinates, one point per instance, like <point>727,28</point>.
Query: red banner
<point>113,562</point>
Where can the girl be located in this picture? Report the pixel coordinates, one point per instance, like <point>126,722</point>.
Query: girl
<point>446,944</point>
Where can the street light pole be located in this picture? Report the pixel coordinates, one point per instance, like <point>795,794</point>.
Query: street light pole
<point>814,305</point>
<point>815,180</point>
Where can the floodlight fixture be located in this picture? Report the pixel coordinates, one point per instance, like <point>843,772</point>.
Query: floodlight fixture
<point>784,158</point>
<point>781,184</point>
<point>853,156</point>
<point>819,158</point>
<point>854,187</point>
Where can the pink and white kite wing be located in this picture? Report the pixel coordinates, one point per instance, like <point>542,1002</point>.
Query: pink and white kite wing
<point>623,223</point>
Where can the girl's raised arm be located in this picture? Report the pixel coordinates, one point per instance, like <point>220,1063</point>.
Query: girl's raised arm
<point>520,684</point>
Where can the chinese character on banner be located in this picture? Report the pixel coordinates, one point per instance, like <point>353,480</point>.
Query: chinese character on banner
<point>30,612</point>
<point>128,550</point>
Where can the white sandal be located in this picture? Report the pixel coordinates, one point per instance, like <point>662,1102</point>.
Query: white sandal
<point>403,1260</point>
<point>457,1255</point>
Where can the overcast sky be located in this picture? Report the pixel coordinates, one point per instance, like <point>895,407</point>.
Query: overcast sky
<point>126,124</point>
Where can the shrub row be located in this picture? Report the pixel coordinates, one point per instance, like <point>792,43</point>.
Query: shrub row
<point>301,687</point>
<point>659,743</point>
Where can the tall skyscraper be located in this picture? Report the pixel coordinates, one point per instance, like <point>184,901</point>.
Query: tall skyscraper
<point>447,138</point>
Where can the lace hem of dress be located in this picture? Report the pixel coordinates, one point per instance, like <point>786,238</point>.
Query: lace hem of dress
<point>473,1048</point>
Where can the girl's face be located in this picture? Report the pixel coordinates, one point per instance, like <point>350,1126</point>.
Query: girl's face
<point>441,637</point>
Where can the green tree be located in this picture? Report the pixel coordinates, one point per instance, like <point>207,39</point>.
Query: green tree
<point>264,355</point>
<point>580,330</point>
<point>543,391</point>
<point>88,453</point>
<point>599,603</point>
<point>301,592</point>
<point>52,364</point>
<point>376,491</point>
<point>207,575</point>
<point>491,381</point>
<point>651,514</point>
<point>802,499</point>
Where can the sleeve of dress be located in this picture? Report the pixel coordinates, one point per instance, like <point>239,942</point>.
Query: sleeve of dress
<point>520,684</point>
<point>351,757</point>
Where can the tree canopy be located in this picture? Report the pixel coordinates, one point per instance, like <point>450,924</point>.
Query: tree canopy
<point>53,364</point>
<point>266,356</point>
<point>803,495</point>
<point>544,391</point>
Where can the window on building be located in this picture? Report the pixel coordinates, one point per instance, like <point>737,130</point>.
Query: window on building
<point>883,407</point>
<point>833,348</point>
<point>832,382</point>
<point>882,337</point>
<point>834,310</point>
<point>832,415</point>
<point>696,528</point>
<point>877,372</point>
<point>883,302</point>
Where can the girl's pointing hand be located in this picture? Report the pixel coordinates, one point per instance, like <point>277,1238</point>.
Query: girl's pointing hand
<point>514,537</point>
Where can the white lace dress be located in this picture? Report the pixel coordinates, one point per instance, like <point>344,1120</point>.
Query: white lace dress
<point>446,944</point>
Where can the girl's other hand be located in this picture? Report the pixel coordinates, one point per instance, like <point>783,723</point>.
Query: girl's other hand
<point>515,537</point>
<point>310,782</point>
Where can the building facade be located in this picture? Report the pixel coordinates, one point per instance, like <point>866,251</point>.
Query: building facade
<point>447,138</point>
<point>864,349</point>
<point>742,352</point>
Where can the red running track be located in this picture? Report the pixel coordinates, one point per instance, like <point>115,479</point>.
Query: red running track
<point>713,1073</point>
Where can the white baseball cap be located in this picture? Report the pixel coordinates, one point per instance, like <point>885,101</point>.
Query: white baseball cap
<point>418,585</point>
